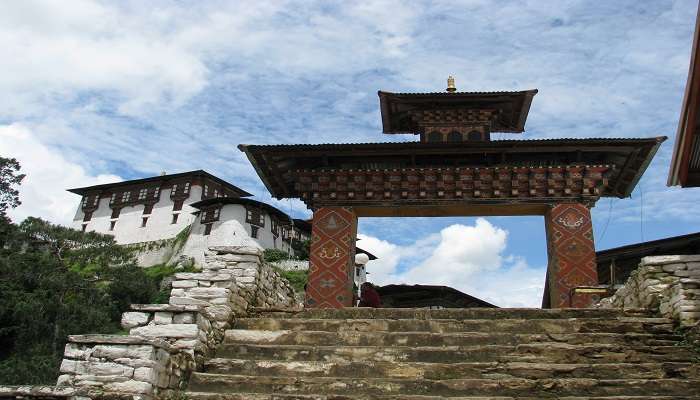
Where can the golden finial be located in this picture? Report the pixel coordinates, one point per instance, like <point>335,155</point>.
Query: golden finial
<point>451,84</point>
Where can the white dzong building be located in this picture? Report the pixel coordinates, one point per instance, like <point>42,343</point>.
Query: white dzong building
<point>205,208</point>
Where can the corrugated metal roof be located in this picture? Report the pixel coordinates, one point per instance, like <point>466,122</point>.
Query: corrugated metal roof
<point>498,143</point>
<point>198,172</point>
<point>507,92</point>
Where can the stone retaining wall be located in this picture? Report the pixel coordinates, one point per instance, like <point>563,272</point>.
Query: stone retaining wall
<point>292,265</point>
<point>668,285</point>
<point>168,341</point>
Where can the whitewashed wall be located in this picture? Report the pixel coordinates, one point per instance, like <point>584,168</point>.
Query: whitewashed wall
<point>128,226</point>
<point>230,230</point>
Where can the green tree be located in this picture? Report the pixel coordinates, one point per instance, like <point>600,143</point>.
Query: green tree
<point>55,282</point>
<point>9,179</point>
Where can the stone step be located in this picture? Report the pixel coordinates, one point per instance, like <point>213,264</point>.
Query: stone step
<point>532,352</point>
<point>447,387</point>
<point>277,396</point>
<point>542,325</point>
<point>450,313</point>
<point>350,338</point>
<point>492,370</point>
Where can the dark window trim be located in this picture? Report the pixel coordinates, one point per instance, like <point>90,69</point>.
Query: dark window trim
<point>207,229</point>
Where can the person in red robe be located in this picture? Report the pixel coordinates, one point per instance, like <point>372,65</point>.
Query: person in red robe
<point>369,296</point>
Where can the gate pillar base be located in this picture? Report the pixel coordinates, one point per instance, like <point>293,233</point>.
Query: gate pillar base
<point>331,258</point>
<point>572,262</point>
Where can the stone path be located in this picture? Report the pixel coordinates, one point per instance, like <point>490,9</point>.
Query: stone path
<point>412,354</point>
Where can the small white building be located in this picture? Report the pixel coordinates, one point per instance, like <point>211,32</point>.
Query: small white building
<point>223,221</point>
<point>156,209</point>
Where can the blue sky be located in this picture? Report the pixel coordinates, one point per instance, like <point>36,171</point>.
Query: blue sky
<point>102,91</point>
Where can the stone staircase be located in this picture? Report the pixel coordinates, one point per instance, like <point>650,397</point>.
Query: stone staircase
<point>486,354</point>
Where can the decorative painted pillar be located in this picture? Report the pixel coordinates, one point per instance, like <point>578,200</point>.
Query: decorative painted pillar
<point>571,254</point>
<point>333,234</point>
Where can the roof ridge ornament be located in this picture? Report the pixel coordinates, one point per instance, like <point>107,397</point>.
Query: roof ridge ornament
<point>451,84</point>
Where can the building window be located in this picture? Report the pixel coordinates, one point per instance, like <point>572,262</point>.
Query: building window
<point>177,206</point>
<point>206,190</point>
<point>85,201</point>
<point>143,193</point>
<point>254,231</point>
<point>126,196</point>
<point>216,193</point>
<point>187,188</point>
<point>84,227</point>
<point>207,229</point>
<point>211,215</point>
<point>115,212</point>
<point>112,198</point>
<point>255,216</point>
<point>173,190</point>
<point>454,137</point>
<point>148,208</point>
<point>144,221</point>
<point>87,216</point>
<point>112,224</point>
<point>434,137</point>
<point>174,221</point>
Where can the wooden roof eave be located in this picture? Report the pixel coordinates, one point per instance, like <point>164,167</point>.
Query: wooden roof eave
<point>686,126</point>
<point>641,169</point>
<point>263,176</point>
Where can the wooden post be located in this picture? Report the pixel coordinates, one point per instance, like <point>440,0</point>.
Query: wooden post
<point>571,254</point>
<point>333,236</point>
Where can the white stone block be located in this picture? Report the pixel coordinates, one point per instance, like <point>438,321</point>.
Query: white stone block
<point>182,301</point>
<point>163,318</point>
<point>183,318</point>
<point>144,374</point>
<point>130,386</point>
<point>184,284</point>
<point>131,319</point>
<point>660,260</point>
<point>167,331</point>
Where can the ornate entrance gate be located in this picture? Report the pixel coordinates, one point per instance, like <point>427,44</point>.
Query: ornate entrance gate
<point>454,170</point>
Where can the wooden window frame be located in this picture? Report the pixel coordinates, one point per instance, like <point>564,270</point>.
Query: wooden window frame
<point>126,196</point>
<point>254,231</point>
<point>112,225</point>
<point>207,229</point>
<point>147,209</point>
<point>144,221</point>
<point>115,212</point>
<point>177,205</point>
<point>251,213</point>
<point>87,216</point>
<point>143,194</point>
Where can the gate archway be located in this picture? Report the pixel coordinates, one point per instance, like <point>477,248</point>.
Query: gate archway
<point>559,179</point>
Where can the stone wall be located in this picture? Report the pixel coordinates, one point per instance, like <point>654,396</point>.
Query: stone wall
<point>668,285</point>
<point>168,341</point>
<point>292,265</point>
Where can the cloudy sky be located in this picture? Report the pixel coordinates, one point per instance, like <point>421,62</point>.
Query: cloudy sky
<point>97,92</point>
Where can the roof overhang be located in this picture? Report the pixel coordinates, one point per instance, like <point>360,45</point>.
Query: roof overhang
<point>221,201</point>
<point>511,108</point>
<point>685,163</point>
<point>276,164</point>
<point>160,178</point>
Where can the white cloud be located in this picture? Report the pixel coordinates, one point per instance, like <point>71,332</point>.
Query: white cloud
<point>43,191</point>
<point>468,258</point>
